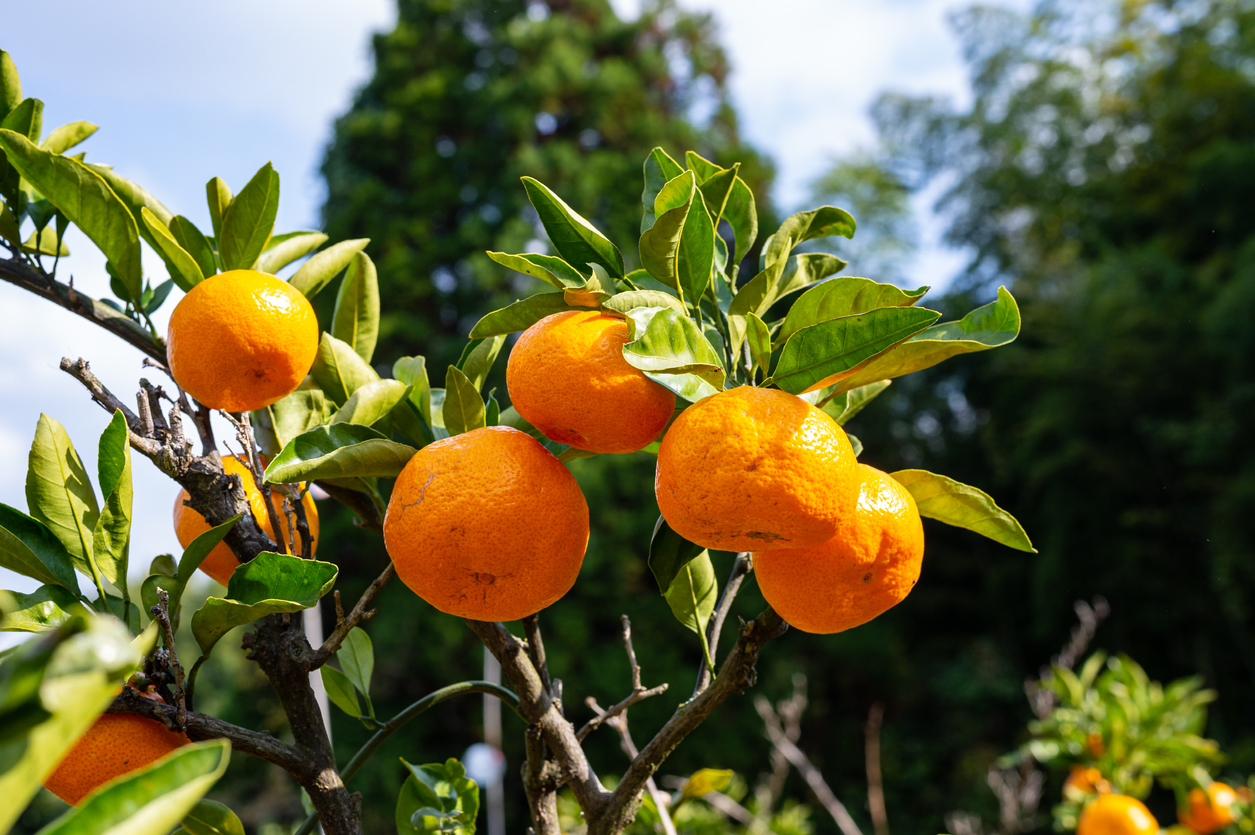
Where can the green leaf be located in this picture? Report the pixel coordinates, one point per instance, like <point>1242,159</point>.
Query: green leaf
<point>45,242</point>
<point>991,326</point>
<point>846,405</point>
<point>111,535</point>
<point>574,237</point>
<point>672,352</point>
<point>855,444</point>
<point>815,355</point>
<point>704,781</point>
<point>633,299</point>
<point>318,271</point>
<point>948,501</point>
<point>357,659</point>
<point>413,372</point>
<point>10,84</point>
<point>67,136</point>
<point>28,547</point>
<point>59,494</point>
<point>595,291</point>
<point>209,817</point>
<point>437,798</point>
<point>660,169</point>
<point>693,593</point>
<point>46,607</point>
<point>84,197</point>
<point>759,337</point>
<point>182,266</point>
<point>284,249</point>
<point>196,551</point>
<point>845,296</point>
<point>755,296</point>
<point>807,268</point>
<point>548,268</point>
<point>194,244</point>
<point>281,421</point>
<point>742,215</point>
<point>660,244</point>
<point>478,360</point>
<point>27,118</point>
<point>463,406</point>
<point>804,226</point>
<point>151,800</point>
<point>668,553</point>
<point>701,166</point>
<point>267,584</point>
<point>520,315</point>
<point>249,220</point>
<point>218,194</point>
<point>372,402</point>
<point>717,188</point>
<point>340,691</point>
<point>343,450</point>
<point>356,318</point>
<point>135,197</point>
<point>339,370</point>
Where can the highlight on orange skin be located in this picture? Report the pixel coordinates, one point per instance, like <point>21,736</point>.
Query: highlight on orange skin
<point>1117,814</point>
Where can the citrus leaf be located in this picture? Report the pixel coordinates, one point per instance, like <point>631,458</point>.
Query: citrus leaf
<point>953,503</point>
<point>357,659</point>
<point>704,781</point>
<point>196,551</point>
<point>281,421</point>
<point>112,533</point>
<point>668,553</point>
<point>437,798</point>
<point>339,370</point>
<point>633,299</point>
<point>86,199</point>
<point>741,213</point>
<point>991,326</point>
<point>45,242</point>
<point>695,260</point>
<point>67,136</point>
<point>855,444</point>
<point>574,237</point>
<point>10,84</point>
<point>478,359</point>
<point>548,268</point>
<point>249,220</point>
<point>413,372</point>
<point>717,188</point>
<point>59,493</point>
<point>218,195</point>
<point>520,315</point>
<point>46,607</point>
<point>804,226</point>
<point>759,337</point>
<point>356,317</point>
<point>660,169</point>
<point>660,244</point>
<point>340,691</point>
<point>672,352</point>
<point>194,244</point>
<point>845,296</point>
<point>815,355</point>
<point>28,547</point>
<point>318,271</point>
<point>286,248</point>
<point>755,296</point>
<point>181,265</point>
<point>848,404</point>
<point>807,268</point>
<point>693,592</point>
<point>209,817</point>
<point>371,402</point>
<point>136,198</point>
<point>463,408</point>
<point>341,451</point>
<point>266,584</point>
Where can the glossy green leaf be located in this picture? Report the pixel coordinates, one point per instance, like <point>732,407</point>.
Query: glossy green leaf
<point>218,195</point>
<point>45,242</point>
<point>371,402</point>
<point>804,226</point>
<point>339,370</point>
<point>111,535</point>
<point>548,268</point>
<point>67,136</point>
<point>520,315</point>
<point>755,296</point>
<point>478,360</point>
<point>948,501</point>
<point>574,237</point>
<point>815,355</point>
<point>81,195</point>
<point>660,244</point>
<point>844,296</point>
<point>846,405</point>
<point>151,800</point>
<point>182,266</point>
<point>196,551</point>
<point>317,272</point>
<point>809,268</point>
<point>194,244</point>
<point>633,299</point>
<point>672,351</point>
<point>704,781</point>
<point>595,291</point>
<point>264,585</point>
<point>991,326</point>
<point>283,420</point>
<point>758,335</point>
<point>30,548</point>
<point>26,118</point>
<point>356,318</point>
<point>343,450</point>
<point>10,84</point>
<point>463,408</point>
<point>668,553</point>
<point>249,220</point>
<point>46,607</point>
<point>660,169</point>
<point>855,444</point>
<point>135,197</point>
<point>700,166</point>
<point>357,659</point>
<point>693,593</point>
<point>209,817</point>
<point>59,493</point>
<point>413,372</point>
<point>741,213</point>
<point>340,691</point>
<point>717,188</point>
<point>8,223</point>
<point>284,249</point>
<point>437,798</point>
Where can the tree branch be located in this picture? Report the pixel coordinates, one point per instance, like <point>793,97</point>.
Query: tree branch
<point>639,692</point>
<point>345,624</point>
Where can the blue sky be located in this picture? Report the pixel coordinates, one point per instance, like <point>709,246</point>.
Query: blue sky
<point>183,92</point>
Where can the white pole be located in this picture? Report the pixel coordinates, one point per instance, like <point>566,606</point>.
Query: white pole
<point>492,736</point>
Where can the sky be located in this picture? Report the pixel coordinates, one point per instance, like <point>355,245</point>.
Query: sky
<point>183,92</point>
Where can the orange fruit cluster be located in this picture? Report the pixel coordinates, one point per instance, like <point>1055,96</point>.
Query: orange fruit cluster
<point>220,563</point>
<point>1116,814</point>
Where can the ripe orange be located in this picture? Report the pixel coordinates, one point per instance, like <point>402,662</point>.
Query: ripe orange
<point>567,377</point>
<point>870,565</point>
<point>755,469</point>
<point>1083,780</point>
<point>221,562</point>
<point>241,340</point>
<point>1117,814</point>
<point>487,525</point>
<point>114,745</point>
<point>1209,810</point>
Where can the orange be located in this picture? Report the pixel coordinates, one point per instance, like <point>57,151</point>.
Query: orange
<point>1084,780</point>
<point>755,469</point>
<point>870,565</point>
<point>1117,814</point>
<point>114,745</point>
<point>567,377</point>
<point>241,340</point>
<point>487,525</point>
<point>221,562</point>
<point>1209,810</point>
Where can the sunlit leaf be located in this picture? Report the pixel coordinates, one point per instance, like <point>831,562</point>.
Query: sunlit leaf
<point>339,370</point>
<point>674,353</point>
<point>59,493</point>
<point>548,268</point>
<point>342,450</point>
<point>463,408</point>
<point>520,315</point>
<point>574,237</point>
<point>693,593</point>
<point>317,272</point>
<point>660,169</point>
<point>371,402</point>
<point>209,817</point>
<point>284,249</point>
<point>846,405</point>
<point>38,611</point>
<point>357,659</point>
<point>340,691</point>
<point>111,534</point>
<point>668,553</point>
<point>845,296</point>
<point>948,501</point>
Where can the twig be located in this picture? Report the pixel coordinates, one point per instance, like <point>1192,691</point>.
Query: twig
<point>344,624</point>
<point>639,692</point>
<point>1043,701</point>
<point>875,780</point>
<point>302,525</point>
<point>536,652</point>
<point>541,781</point>
<point>790,711</point>
<point>161,612</point>
<point>740,569</point>
<point>619,722</point>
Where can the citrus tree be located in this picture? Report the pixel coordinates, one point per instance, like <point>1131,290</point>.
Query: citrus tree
<point>736,375</point>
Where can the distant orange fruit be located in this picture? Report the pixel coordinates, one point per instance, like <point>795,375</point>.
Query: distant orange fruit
<point>221,562</point>
<point>1083,780</point>
<point>870,565</point>
<point>567,377</point>
<point>487,525</point>
<point>1117,814</point>
<point>755,469</point>
<point>1209,811</point>
<point>115,744</point>
<point>241,340</point>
